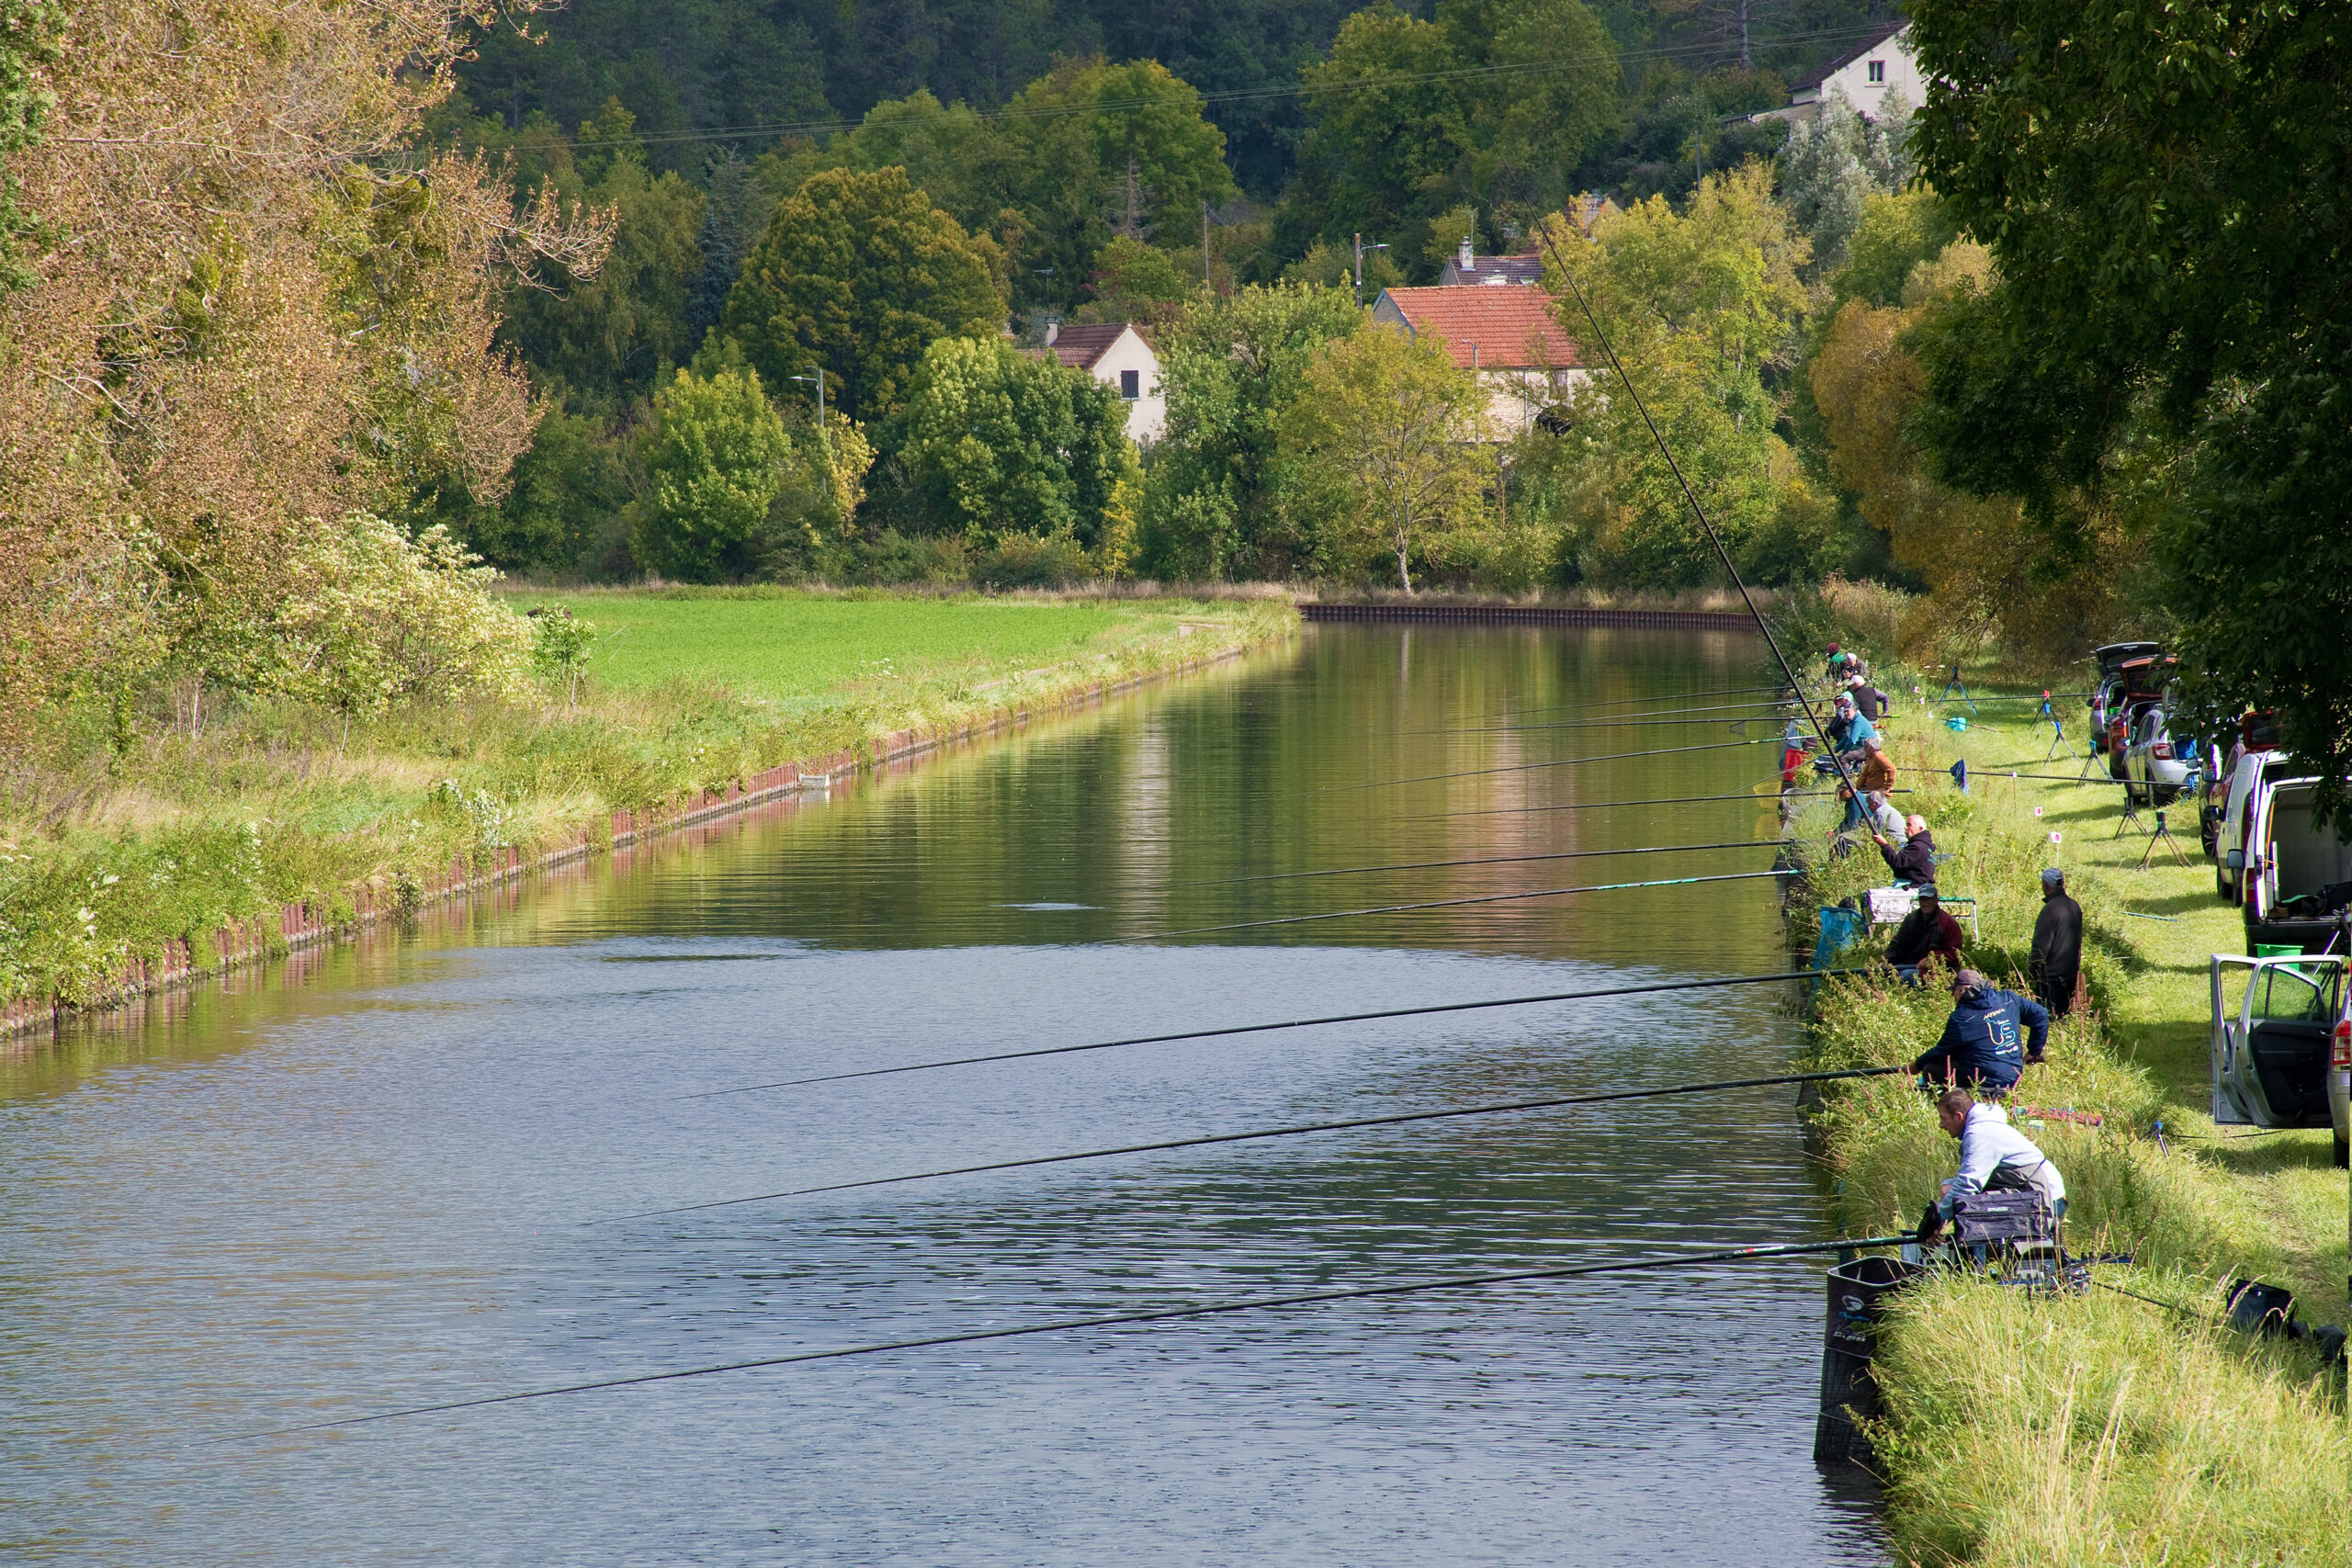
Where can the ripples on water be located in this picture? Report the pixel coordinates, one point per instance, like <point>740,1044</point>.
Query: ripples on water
<point>305,1201</point>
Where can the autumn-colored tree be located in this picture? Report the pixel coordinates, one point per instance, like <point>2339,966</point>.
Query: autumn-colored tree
<point>1388,434</point>
<point>1701,305</point>
<point>244,313</point>
<point>857,275</point>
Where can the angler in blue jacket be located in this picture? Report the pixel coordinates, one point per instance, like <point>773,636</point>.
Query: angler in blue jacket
<point>1981,1045</point>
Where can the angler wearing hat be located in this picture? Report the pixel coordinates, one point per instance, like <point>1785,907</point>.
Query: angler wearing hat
<point>1847,727</point>
<point>1980,1048</point>
<point>1927,932</point>
<point>2057,945</point>
<point>1993,1157</point>
<point>1835,668</point>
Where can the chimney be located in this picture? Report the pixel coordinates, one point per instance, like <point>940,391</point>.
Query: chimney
<point>1469,260</point>
<point>1052,331</point>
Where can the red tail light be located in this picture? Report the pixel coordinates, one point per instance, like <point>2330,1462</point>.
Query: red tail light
<point>2161,750</point>
<point>2341,1056</point>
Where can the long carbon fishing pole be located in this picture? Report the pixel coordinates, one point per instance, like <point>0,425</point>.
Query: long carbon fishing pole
<point>1119,1320</point>
<point>1760,708</point>
<point>1666,696</point>
<point>1487,860</point>
<point>1528,767</point>
<point>1636,722</point>
<point>1291,1023</point>
<point>1603,804</point>
<point>1205,1140</point>
<point>1763,627</point>
<point>1456,902</point>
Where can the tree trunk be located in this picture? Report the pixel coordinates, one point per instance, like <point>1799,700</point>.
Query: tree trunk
<point>1404,536</point>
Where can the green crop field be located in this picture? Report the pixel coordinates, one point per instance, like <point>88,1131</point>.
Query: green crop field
<point>796,648</point>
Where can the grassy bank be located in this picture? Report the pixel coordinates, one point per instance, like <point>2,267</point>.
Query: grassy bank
<point>138,831</point>
<point>2104,1428</point>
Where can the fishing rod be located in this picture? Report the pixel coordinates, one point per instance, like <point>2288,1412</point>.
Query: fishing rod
<point>1609,718</point>
<point>1456,902</point>
<point>1071,1325</point>
<point>1603,804</point>
<point>1293,1023</point>
<point>1485,860</point>
<point>1526,767</point>
<point>1636,721</point>
<point>1672,696</point>
<point>1763,627</point>
<point>1205,1140</point>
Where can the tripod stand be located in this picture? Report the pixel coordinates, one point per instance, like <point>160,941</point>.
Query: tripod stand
<point>2162,835</point>
<point>2057,736</point>
<point>2131,817</point>
<point>1955,685</point>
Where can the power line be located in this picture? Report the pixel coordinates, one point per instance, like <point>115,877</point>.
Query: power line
<point>1208,1139</point>
<point>1291,1023</point>
<point>1456,902</point>
<point>1071,1325</point>
<point>1487,860</point>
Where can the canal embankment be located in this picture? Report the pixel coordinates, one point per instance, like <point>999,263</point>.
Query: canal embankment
<point>2104,1427</point>
<point>177,850</point>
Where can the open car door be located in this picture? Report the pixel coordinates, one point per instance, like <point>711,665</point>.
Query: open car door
<point>2272,1020</point>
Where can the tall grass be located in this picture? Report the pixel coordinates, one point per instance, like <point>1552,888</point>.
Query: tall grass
<point>2098,1429</point>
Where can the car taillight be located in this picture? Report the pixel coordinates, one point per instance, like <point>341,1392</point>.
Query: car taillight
<point>2341,1056</point>
<point>2161,750</point>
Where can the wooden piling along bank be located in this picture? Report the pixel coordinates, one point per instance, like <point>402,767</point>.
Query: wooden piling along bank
<point>307,924</point>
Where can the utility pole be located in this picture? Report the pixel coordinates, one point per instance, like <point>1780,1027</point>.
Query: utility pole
<point>1206,282</point>
<point>824,440</point>
<point>1360,248</point>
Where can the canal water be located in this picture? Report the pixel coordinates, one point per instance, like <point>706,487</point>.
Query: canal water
<point>385,1175</point>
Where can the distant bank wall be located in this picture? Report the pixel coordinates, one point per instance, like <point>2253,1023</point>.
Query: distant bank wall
<point>1531,614</point>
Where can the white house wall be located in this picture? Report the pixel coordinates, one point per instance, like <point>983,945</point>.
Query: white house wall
<point>1852,81</point>
<point>1147,416</point>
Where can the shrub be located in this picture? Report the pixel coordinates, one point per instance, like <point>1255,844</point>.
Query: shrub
<point>1025,560</point>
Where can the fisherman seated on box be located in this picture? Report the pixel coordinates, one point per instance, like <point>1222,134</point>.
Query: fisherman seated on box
<point>1848,730</point>
<point>1927,935</point>
<point>1980,1048</point>
<point>1915,863</point>
<point>1993,1157</point>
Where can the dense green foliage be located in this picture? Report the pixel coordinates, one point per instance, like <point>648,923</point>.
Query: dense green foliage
<point>1007,444</point>
<point>2164,189</point>
<point>714,461</point>
<point>857,275</point>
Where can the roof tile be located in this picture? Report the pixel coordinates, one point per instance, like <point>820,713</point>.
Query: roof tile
<point>1499,329</point>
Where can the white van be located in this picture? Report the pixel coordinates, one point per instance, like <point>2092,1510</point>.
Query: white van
<point>2296,875</point>
<point>2228,836</point>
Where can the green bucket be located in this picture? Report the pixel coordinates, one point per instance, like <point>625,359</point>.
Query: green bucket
<point>2277,949</point>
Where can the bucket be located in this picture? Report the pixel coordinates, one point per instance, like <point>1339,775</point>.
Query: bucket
<point>1859,1293</point>
<point>1841,929</point>
<point>2277,949</point>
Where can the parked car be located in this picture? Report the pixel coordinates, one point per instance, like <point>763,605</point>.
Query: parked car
<point>2139,685</point>
<point>2108,690</point>
<point>2277,1024</point>
<point>2296,875</point>
<point>2339,1082</point>
<point>2254,769</point>
<point>2154,771</point>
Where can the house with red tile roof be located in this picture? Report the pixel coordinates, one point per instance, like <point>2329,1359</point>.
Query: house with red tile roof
<point>1506,334</point>
<point>1116,355</point>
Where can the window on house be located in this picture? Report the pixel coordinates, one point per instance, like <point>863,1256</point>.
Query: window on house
<point>1877,71</point>
<point>1131,384</point>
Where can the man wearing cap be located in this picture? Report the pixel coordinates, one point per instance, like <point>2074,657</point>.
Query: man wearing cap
<point>2057,945</point>
<point>1849,728</point>
<point>1980,1048</point>
<point>1836,669</point>
<point>1927,932</point>
<point>1993,1157</point>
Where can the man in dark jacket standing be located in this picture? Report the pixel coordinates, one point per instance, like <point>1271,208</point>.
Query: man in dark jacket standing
<point>1927,932</point>
<point>2057,945</point>
<point>1980,1047</point>
<point>1916,862</point>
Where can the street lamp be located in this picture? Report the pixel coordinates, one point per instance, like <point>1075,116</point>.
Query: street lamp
<point>1360,248</point>
<point>824,442</point>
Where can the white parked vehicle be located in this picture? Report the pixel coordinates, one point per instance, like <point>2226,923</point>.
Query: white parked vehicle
<point>2276,1023</point>
<point>2296,875</point>
<point>2253,768</point>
